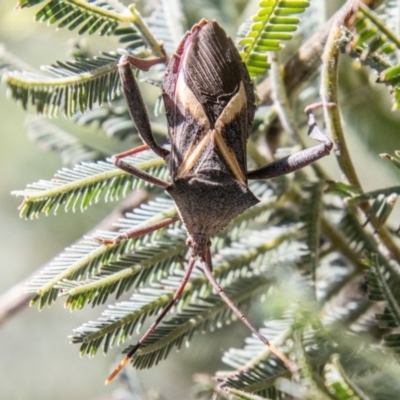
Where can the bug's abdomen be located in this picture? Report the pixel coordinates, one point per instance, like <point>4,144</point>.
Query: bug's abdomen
<point>208,202</point>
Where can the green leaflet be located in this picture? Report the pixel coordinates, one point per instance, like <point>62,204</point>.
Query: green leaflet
<point>375,45</point>
<point>103,16</point>
<point>77,86</point>
<point>339,384</point>
<point>272,24</point>
<point>49,137</point>
<point>85,185</point>
<point>119,321</point>
<point>383,283</point>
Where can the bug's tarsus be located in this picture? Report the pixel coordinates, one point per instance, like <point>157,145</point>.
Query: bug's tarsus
<point>154,325</point>
<point>139,231</point>
<point>311,107</point>
<point>144,64</point>
<point>313,131</point>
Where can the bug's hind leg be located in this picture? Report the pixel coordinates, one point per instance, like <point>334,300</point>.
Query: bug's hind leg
<point>207,269</point>
<point>302,158</point>
<point>133,349</point>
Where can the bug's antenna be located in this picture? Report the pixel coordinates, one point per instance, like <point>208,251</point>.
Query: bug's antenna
<point>207,269</point>
<point>153,326</point>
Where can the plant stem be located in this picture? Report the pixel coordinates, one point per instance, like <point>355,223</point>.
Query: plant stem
<point>155,47</point>
<point>305,62</point>
<point>329,94</point>
<point>381,26</point>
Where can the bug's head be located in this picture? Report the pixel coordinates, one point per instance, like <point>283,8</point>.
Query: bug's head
<point>198,244</point>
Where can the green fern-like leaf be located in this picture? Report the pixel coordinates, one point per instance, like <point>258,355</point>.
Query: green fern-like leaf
<point>383,282</point>
<point>85,185</point>
<point>158,256</point>
<point>382,200</point>
<point>357,237</point>
<point>180,328</point>
<point>77,85</point>
<point>339,384</point>
<point>127,271</point>
<point>83,260</point>
<point>119,269</point>
<point>89,16</point>
<point>167,24</point>
<point>114,120</point>
<point>373,34</point>
<point>307,383</point>
<point>130,37</point>
<point>375,45</point>
<point>49,137</point>
<point>231,262</point>
<point>262,369</point>
<point>311,216</point>
<point>272,24</point>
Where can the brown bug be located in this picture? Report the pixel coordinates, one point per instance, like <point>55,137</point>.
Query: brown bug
<point>210,106</point>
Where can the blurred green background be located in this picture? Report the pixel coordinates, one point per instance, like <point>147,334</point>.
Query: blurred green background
<point>37,361</point>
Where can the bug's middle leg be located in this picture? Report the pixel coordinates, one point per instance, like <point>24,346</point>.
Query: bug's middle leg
<point>300,159</point>
<point>118,161</point>
<point>139,231</point>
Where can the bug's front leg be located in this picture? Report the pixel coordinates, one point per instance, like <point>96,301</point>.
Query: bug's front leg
<point>302,158</point>
<point>135,102</point>
<point>139,115</point>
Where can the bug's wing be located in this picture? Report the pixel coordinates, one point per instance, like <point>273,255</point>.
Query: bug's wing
<point>212,70</point>
<point>209,102</point>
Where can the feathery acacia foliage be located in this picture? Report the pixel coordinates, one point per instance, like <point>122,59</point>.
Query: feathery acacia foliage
<point>50,137</point>
<point>77,85</point>
<point>272,24</point>
<point>377,46</point>
<point>84,185</point>
<point>302,253</point>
